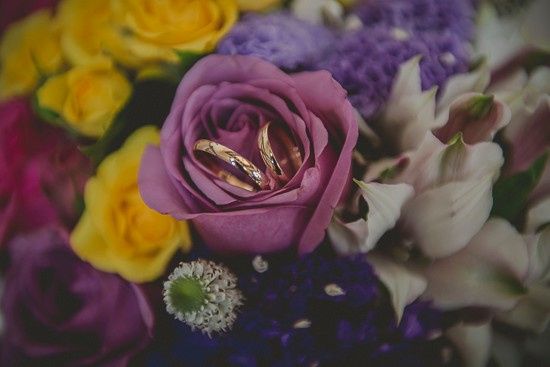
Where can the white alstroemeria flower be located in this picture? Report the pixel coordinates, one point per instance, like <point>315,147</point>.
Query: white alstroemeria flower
<point>533,310</point>
<point>384,208</point>
<point>528,133</point>
<point>501,38</point>
<point>488,272</point>
<point>453,193</point>
<point>410,112</point>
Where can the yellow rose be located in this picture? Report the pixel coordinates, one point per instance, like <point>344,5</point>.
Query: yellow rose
<point>29,48</point>
<point>82,24</point>
<point>144,32</point>
<point>87,97</point>
<point>118,233</point>
<point>257,5</point>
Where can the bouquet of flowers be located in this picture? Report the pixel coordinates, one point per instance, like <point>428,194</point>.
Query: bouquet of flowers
<point>274,183</point>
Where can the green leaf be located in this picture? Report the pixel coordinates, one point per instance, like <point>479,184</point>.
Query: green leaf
<point>510,194</point>
<point>188,59</point>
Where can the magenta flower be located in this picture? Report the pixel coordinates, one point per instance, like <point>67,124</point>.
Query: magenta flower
<point>42,172</point>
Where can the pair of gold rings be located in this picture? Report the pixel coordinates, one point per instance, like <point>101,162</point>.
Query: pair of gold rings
<point>280,169</point>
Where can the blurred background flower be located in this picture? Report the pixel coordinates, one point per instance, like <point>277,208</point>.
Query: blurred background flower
<point>43,173</point>
<point>87,98</point>
<point>279,38</point>
<point>285,321</point>
<point>60,311</point>
<point>117,232</point>
<point>29,50</point>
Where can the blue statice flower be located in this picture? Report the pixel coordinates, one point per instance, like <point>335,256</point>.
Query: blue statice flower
<point>316,311</point>
<point>365,62</point>
<point>454,16</point>
<point>279,38</point>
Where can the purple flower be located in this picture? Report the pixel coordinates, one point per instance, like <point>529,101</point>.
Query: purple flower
<point>319,310</point>
<point>228,99</point>
<point>454,16</point>
<point>279,38</point>
<point>365,62</point>
<point>60,311</point>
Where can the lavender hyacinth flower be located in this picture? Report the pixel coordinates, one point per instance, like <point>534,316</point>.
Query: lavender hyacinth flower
<point>279,38</point>
<point>316,311</point>
<point>455,16</point>
<point>365,62</point>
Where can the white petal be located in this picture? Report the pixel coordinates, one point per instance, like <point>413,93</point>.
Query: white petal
<point>404,285</point>
<point>409,112</point>
<point>532,312</point>
<point>444,219</point>
<point>535,28</point>
<point>473,343</point>
<point>488,272</point>
<point>384,202</point>
<point>528,134</point>
<point>498,39</point>
<point>474,81</point>
<point>538,216</point>
<point>318,11</point>
<point>538,246</point>
<point>435,163</point>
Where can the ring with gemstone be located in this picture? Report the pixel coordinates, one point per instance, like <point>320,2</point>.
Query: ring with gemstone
<point>234,159</point>
<point>281,169</point>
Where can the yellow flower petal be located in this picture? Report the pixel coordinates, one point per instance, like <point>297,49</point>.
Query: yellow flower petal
<point>118,232</point>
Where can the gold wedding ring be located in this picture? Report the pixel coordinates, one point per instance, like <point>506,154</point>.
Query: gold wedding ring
<point>283,168</point>
<point>231,157</point>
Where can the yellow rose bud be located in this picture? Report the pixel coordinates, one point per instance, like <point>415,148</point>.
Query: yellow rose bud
<point>118,233</point>
<point>82,25</point>
<point>257,5</point>
<point>147,32</point>
<point>87,97</point>
<point>29,48</point>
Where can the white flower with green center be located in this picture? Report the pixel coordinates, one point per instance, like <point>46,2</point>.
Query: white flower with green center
<point>203,295</point>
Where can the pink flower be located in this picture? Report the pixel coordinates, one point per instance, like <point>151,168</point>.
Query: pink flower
<point>228,99</point>
<point>42,172</point>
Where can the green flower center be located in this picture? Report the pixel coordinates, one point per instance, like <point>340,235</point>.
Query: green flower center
<point>186,295</point>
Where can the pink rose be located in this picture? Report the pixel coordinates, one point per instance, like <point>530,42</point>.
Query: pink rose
<point>227,99</point>
<point>42,172</point>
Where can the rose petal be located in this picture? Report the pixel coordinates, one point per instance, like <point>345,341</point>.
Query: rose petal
<point>328,102</point>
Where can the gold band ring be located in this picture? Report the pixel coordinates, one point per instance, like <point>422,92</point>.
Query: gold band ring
<point>282,169</point>
<point>229,156</point>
